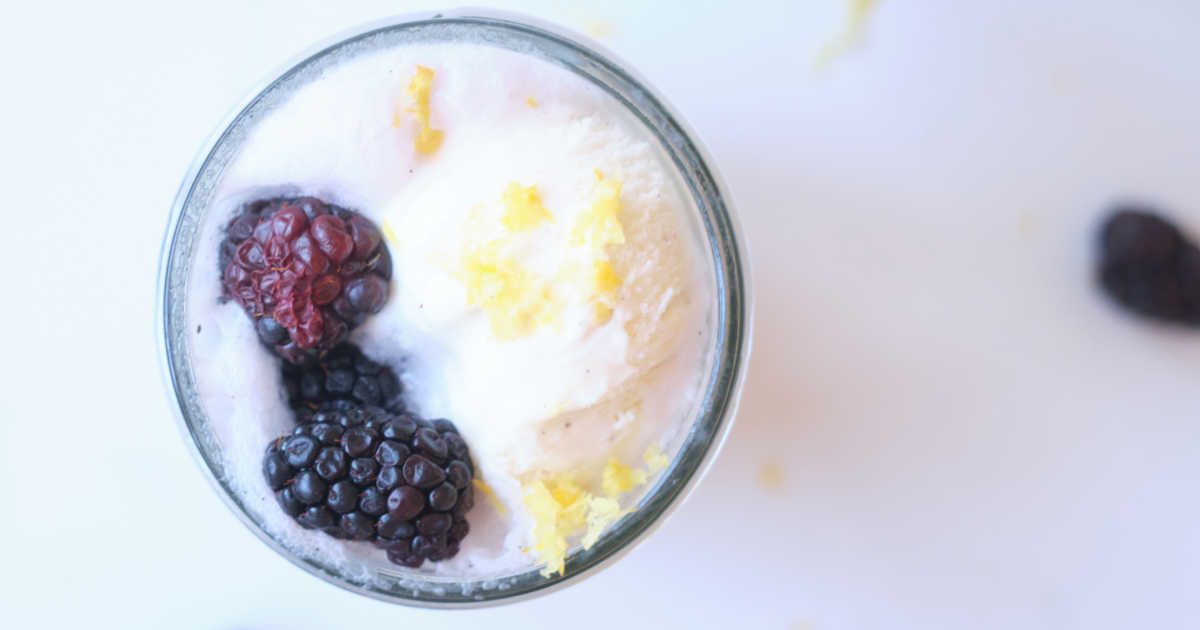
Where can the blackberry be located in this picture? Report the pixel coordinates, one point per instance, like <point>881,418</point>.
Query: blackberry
<point>343,374</point>
<point>307,271</point>
<point>359,472</point>
<point>1148,266</point>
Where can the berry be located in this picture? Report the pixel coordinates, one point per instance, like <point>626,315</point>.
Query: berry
<point>422,473</point>
<point>391,453</point>
<point>299,450</point>
<point>443,497</point>
<point>458,474</point>
<point>359,472</point>
<point>331,463</point>
<point>309,488</point>
<point>344,374</point>
<point>388,478</point>
<point>343,497</point>
<point>276,470</point>
<point>405,502</point>
<point>358,440</point>
<point>1148,266</point>
<point>316,517</point>
<point>358,526</point>
<point>288,502</point>
<point>373,501</point>
<point>307,271</point>
<point>433,524</point>
<point>363,471</point>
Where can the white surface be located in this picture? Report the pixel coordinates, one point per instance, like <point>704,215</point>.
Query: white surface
<point>969,437</point>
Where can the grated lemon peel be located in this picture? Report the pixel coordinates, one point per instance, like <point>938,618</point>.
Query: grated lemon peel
<point>531,102</point>
<point>599,225</point>
<point>523,208</point>
<point>427,139</point>
<point>487,491</point>
<point>618,478</point>
<point>562,508</point>
<point>389,233</point>
<point>516,300</point>
<point>655,459</point>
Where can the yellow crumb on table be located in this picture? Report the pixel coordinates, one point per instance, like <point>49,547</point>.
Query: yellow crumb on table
<point>599,29</point>
<point>858,13</point>
<point>771,475</point>
<point>531,102</point>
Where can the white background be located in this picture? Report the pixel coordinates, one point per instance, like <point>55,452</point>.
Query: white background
<point>965,434</point>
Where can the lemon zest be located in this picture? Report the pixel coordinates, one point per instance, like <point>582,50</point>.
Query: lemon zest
<point>428,139</point>
<point>488,492</point>
<point>523,208</point>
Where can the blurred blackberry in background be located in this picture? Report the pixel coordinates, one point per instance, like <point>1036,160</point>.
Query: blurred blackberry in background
<point>1148,266</point>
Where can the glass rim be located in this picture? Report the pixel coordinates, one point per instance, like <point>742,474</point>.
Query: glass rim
<point>708,430</point>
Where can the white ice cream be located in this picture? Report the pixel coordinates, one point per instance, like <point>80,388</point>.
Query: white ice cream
<point>565,396</point>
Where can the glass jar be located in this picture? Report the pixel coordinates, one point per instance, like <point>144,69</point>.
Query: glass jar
<point>731,310</point>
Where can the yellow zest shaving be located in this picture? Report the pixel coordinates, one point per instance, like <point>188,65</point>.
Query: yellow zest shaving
<point>562,508</point>
<point>599,225</point>
<point>389,234</point>
<point>602,512</point>
<point>655,459</point>
<point>515,300</point>
<point>523,208</point>
<point>428,139</point>
<point>487,491</point>
<point>601,313</point>
<point>530,102</point>
<point>551,543</point>
<point>618,478</point>
<point>604,278</point>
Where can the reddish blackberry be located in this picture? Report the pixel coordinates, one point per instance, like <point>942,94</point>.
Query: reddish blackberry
<point>306,271</point>
<point>345,373</point>
<point>1147,265</point>
<point>358,472</point>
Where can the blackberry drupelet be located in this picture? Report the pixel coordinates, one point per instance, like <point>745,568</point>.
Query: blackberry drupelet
<point>307,271</point>
<point>358,472</point>
<point>1148,266</point>
<point>344,373</point>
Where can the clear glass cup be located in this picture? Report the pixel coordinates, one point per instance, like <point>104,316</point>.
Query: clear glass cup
<point>732,310</point>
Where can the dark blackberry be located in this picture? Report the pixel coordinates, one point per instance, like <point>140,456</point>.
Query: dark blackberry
<point>344,374</point>
<point>307,271</point>
<point>387,478</point>
<point>1148,266</point>
<point>373,501</point>
<point>358,472</point>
